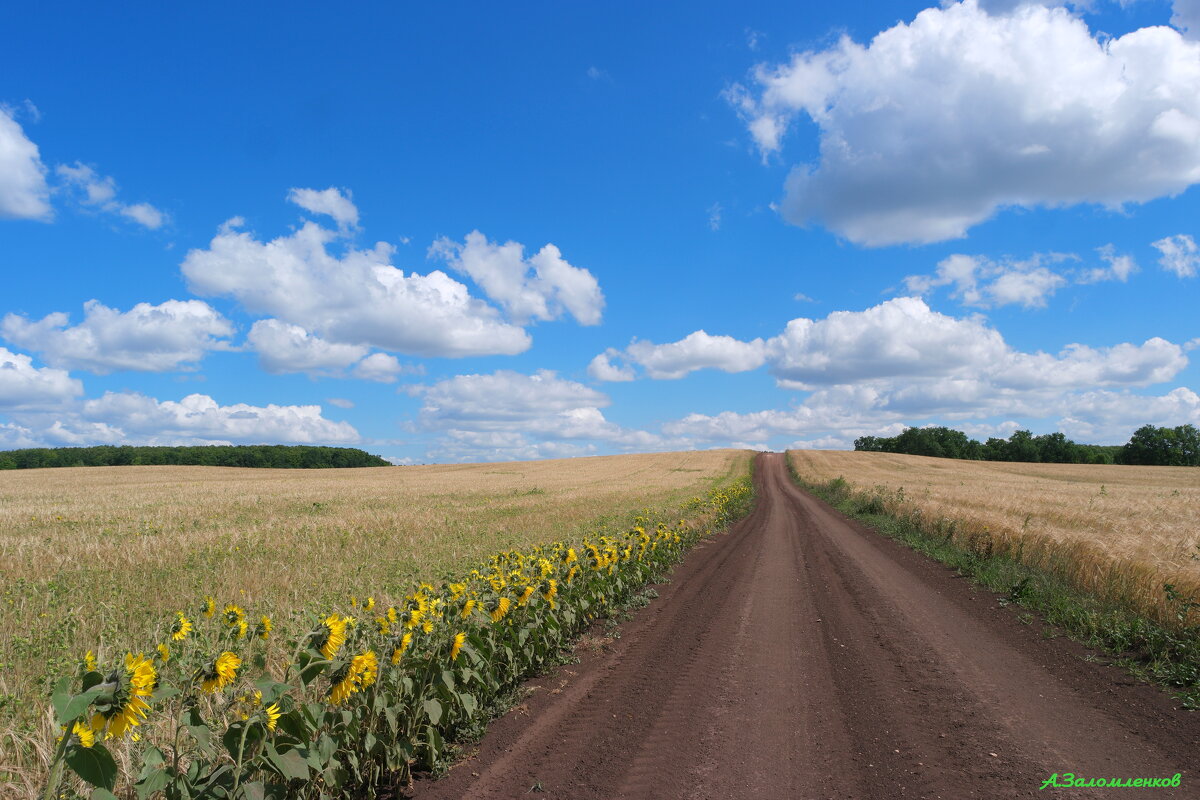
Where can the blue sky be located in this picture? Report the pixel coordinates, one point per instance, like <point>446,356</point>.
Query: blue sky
<point>473,232</point>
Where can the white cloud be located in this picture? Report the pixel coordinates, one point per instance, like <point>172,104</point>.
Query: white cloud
<point>283,347</point>
<point>23,190</point>
<point>714,217</point>
<point>358,298</point>
<point>1179,255</point>
<point>23,385</point>
<point>601,367</point>
<point>987,283</point>
<point>148,338</point>
<point>697,350</point>
<point>539,287</point>
<point>340,402</point>
<point>512,415</point>
<point>935,125</point>
<point>1119,267</point>
<point>384,368</point>
<point>198,417</point>
<point>334,202</point>
<point>97,191</point>
<point>901,337</point>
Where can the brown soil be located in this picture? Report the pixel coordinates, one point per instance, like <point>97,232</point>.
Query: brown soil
<point>801,655</point>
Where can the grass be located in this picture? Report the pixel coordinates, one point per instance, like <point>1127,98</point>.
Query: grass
<point>100,558</point>
<point>1150,624</point>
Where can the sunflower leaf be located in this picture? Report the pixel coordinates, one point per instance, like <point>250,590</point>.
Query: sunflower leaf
<point>78,704</point>
<point>94,764</point>
<point>433,709</point>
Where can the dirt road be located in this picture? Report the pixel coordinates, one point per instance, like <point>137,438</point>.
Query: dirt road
<point>803,656</point>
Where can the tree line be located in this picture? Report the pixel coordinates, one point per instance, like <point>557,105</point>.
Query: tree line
<point>275,456</point>
<point>1149,445</point>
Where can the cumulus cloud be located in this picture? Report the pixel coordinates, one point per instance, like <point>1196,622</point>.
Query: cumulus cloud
<point>983,282</point>
<point>148,338</point>
<point>23,385</point>
<point>510,414</point>
<point>283,347</point>
<point>23,190</point>
<point>980,281</point>
<point>197,417</point>
<point>100,192</point>
<point>1179,255</point>
<point>697,350</point>
<point>355,298</point>
<point>539,287</point>
<point>333,202</point>
<point>601,367</point>
<point>384,368</point>
<point>1031,110</point>
<point>1117,267</point>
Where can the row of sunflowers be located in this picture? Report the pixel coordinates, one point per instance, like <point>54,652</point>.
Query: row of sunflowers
<point>354,701</point>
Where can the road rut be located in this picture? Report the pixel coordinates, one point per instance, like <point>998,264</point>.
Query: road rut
<point>801,655</point>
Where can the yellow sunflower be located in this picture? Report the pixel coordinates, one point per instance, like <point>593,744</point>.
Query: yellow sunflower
<point>220,672</point>
<point>330,635</point>
<point>181,627</point>
<point>459,638</point>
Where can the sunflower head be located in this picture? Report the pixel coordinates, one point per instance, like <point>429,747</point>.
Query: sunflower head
<point>459,638</point>
<point>127,706</point>
<point>272,713</point>
<point>181,627</point>
<point>219,673</point>
<point>210,607</point>
<point>330,635</point>
<point>263,629</point>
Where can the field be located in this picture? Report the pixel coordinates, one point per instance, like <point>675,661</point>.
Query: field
<point>99,558</point>
<point>1118,532</point>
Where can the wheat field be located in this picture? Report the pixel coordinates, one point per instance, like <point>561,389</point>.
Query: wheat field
<point>1119,532</point>
<point>99,557</point>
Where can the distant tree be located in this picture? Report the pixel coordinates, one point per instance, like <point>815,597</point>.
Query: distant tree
<point>293,456</point>
<point>1021,447</point>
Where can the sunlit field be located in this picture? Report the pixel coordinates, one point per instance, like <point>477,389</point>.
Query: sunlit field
<point>101,558</point>
<point>1118,531</point>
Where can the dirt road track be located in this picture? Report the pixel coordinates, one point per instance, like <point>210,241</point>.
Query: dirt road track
<point>803,656</point>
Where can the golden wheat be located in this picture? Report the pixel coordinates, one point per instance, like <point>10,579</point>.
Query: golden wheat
<point>1120,532</point>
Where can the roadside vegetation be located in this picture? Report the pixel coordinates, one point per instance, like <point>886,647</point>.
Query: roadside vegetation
<point>1110,554</point>
<point>104,560</point>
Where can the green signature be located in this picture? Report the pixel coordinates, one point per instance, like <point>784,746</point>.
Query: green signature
<point>1070,780</point>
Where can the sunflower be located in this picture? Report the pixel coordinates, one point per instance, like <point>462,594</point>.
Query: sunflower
<point>398,652</point>
<point>385,627</point>
<point>210,607</point>
<point>549,590</point>
<point>370,604</point>
<point>525,595</point>
<point>127,706</point>
<point>89,661</point>
<point>272,714</point>
<point>220,672</point>
<point>459,638</point>
<point>86,736</point>
<point>164,653</point>
<point>498,608</point>
<point>263,629</point>
<point>233,615</point>
<point>468,607</point>
<point>330,635</point>
<point>353,677</point>
<point>181,627</point>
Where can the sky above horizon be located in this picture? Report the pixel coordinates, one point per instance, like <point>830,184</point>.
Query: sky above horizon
<point>470,232</point>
